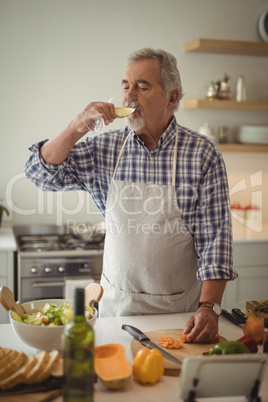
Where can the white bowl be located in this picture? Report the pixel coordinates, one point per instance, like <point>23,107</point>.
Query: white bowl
<point>41,337</point>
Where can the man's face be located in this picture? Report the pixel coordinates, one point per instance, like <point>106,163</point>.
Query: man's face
<point>141,89</point>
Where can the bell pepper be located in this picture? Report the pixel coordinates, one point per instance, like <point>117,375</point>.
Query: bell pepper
<point>228,348</point>
<point>250,343</point>
<point>148,366</point>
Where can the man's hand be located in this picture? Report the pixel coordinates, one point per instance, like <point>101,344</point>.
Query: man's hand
<point>55,151</point>
<point>202,326</point>
<point>85,121</point>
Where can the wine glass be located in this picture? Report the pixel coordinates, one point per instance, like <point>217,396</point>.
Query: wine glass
<point>120,111</point>
<point>94,121</point>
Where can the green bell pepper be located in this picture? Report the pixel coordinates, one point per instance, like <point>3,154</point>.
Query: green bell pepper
<point>228,348</point>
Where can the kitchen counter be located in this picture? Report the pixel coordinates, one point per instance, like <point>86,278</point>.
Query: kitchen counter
<point>108,330</point>
<point>240,233</point>
<point>7,239</point>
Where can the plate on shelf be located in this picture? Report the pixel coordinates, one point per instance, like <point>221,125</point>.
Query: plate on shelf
<point>253,134</point>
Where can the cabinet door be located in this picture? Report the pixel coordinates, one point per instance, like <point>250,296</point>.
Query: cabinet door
<point>3,263</point>
<point>252,284</point>
<point>251,264</point>
<point>6,279</point>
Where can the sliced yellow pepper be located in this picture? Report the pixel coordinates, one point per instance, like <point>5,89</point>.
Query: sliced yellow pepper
<point>148,366</point>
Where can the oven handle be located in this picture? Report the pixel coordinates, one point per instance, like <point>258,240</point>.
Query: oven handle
<point>47,284</point>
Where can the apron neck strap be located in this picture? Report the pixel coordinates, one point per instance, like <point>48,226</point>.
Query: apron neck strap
<point>119,156</point>
<point>175,159</point>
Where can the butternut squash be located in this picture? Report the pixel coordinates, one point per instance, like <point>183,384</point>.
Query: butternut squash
<point>112,366</point>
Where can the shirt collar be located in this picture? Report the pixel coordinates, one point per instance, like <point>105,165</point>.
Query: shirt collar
<point>167,135</point>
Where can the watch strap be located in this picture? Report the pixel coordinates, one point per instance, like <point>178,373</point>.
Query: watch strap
<point>205,304</point>
<point>213,306</point>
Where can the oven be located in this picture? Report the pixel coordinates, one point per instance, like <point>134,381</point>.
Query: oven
<point>51,261</point>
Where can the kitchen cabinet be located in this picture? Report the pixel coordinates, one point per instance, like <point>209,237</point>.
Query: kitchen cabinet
<point>251,264</point>
<point>7,249</point>
<point>236,48</point>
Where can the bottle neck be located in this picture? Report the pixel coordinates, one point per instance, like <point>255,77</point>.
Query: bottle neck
<point>79,308</point>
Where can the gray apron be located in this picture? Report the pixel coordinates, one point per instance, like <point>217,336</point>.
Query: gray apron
<point>149,263</point>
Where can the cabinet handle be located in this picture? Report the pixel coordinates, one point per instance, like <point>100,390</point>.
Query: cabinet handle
<point>47,284</point>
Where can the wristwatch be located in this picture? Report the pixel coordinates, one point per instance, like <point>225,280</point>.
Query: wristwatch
<point>213,306</point>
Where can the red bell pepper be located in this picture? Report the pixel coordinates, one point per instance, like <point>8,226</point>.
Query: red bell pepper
<point>250,343</point>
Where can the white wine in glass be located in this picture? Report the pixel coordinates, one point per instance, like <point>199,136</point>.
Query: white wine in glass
<point>95,122</point>
<point>123,111</point>
<point>120,111</point>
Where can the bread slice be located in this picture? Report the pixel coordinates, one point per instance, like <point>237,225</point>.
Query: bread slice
<point>54,357</point>
<point>4,352</point>
<point>19,376</point>
<point>5,361</point>
<point>57,371</point>
<point>13,366</point>
<point>42,360</point>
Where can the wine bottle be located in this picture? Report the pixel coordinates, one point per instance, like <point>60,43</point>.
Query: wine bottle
<point>78,355</point>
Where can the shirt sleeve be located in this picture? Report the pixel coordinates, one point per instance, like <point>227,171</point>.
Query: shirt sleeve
<point>63,176</point>
<point>213,230</point>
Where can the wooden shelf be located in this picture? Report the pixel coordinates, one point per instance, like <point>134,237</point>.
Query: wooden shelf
<point>237,48</point>
<point>243,147</point>
<point>224,104</point>
<point>227,47</point>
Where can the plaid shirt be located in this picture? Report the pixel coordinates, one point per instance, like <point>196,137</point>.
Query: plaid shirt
<point>201,183</point>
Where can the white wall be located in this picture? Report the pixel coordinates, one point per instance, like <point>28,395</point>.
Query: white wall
<point>58,55</point>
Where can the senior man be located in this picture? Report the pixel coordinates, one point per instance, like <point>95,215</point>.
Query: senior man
<point>163,191</point>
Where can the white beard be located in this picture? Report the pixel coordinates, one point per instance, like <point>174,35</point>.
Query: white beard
<point>136,123</point>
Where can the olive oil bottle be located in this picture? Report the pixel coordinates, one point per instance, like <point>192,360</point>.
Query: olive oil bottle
<point>78,355</point>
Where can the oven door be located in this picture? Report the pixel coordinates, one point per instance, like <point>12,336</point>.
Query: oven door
<point>51,288</point>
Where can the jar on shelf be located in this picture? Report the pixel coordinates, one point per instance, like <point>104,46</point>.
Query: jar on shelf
<point>241,92</point>
<point>223,134</point>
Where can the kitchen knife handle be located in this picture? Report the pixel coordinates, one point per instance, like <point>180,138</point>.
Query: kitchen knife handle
<point>239,314</point>
<point>135,332</point>
<point>231,318</point>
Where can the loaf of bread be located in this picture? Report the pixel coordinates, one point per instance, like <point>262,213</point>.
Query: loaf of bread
<point>19,368</point>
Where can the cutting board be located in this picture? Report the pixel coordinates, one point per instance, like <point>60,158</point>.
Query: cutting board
<point>33,397</point>
<point>187,349</point>
<point>43,392</point>
<point>250,305</point>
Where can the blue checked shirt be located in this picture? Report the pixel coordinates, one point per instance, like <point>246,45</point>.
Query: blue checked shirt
<point>201,183</point>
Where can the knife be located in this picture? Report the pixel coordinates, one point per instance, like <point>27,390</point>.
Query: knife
<point>145,341</point>
<point>238,313</point>
<point>232,318</point>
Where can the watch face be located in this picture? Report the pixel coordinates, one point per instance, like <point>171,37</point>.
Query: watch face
<point>217,308</point>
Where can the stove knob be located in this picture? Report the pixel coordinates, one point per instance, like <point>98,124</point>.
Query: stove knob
<point>61,269</point>
<point>48,270</point>
<point>34,270</point>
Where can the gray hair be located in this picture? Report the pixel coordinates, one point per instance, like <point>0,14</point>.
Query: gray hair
<point>169,78</point>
